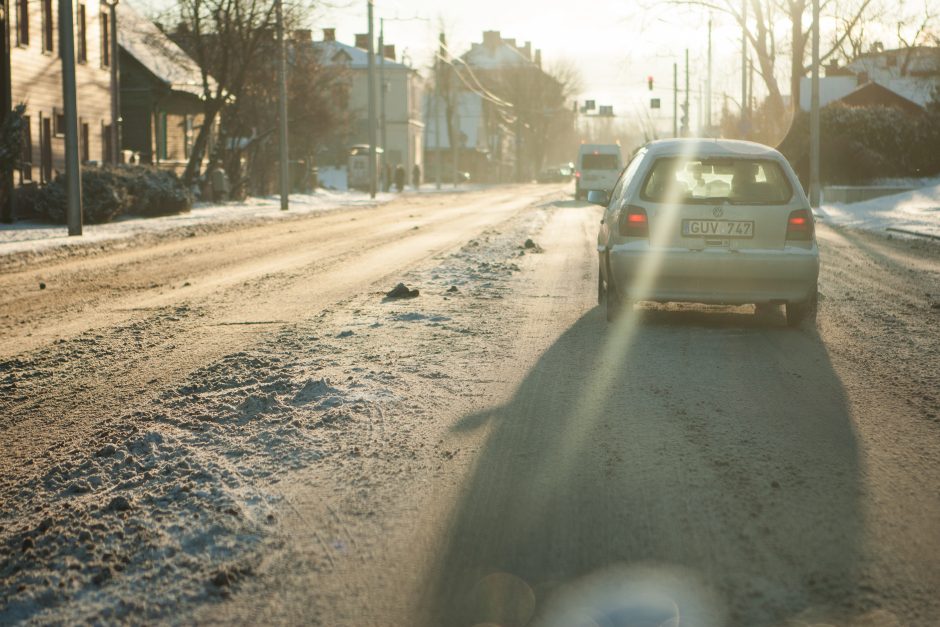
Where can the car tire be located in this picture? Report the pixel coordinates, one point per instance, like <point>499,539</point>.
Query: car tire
<point>804,312</point>
<point>615,301</point>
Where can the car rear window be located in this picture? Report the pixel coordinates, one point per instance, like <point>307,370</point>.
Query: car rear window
<point>600,162</point>
<point>708,180</point>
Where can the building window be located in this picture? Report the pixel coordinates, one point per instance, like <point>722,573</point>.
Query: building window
<point>106,143</point>
<point>105,40</point>
<point>188,136</point>
<point>45,149</point>
<point>82,35</point>
<point>47,28</point>
<point>86,137</point>
<point>26,158</point>
<point>58,123</point>
<point>22,22</point>
<point>161,137</point>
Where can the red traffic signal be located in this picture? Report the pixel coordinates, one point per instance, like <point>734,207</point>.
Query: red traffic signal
<point>649,81</point>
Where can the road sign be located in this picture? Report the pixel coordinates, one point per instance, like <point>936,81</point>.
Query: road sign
<point>654,103</point>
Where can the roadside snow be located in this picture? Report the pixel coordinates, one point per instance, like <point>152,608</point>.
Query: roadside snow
<point>917,210</point>
<point>34,237</point>
<point>180,498</point>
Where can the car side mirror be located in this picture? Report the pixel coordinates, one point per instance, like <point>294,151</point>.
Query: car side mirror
<point>597,197</point>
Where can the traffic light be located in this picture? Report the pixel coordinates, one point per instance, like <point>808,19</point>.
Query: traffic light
<point>649,82</point>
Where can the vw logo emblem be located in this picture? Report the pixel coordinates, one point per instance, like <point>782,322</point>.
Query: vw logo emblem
<point>718,212</point>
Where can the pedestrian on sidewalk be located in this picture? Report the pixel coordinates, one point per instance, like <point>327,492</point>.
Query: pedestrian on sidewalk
<point>400,177</point>
<point>218,181</point>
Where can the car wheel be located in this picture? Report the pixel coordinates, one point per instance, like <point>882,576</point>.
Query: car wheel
<point>798,313</point>
<point>615,300</point>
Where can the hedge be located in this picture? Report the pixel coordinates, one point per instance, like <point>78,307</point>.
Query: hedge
<point>108,192</point>
<point>861,144</point>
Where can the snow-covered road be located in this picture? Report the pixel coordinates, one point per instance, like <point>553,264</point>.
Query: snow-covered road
<point>235,426</point>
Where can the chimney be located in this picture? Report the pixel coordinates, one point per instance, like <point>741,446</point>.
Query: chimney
<point>362,40</point>
<point>303,34</point>
<point>389,52</point>
<point>538,58</point>
<point>329,34</point>
<point>491,38</point>
<point>527,50</point>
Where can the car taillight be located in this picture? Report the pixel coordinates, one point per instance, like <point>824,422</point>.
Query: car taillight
<point>577,175</point>
<point>634,222</point>
<point>800,225</point>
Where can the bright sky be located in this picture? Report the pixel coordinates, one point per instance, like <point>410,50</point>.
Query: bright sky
<point>615,45</point>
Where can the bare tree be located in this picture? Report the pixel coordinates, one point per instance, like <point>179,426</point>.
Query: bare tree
<point>759,19</point>
<point>224,37</point>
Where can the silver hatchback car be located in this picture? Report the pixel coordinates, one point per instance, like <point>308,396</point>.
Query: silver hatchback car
<point>708,221</point>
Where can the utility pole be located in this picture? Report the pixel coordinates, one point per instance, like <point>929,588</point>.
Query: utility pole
<point>708,87</point>
<point>282,107</point>
<point>814,192</point>
<point>437,112</point>
<point>6,107</point>
<point>115,135</point>
<point>453,125</point>
<point>675,99</point>
<point>685,106</point>
<point>73,171</point>
<point>745,122</point>
<point>373,152</point>
<point>382,88</point>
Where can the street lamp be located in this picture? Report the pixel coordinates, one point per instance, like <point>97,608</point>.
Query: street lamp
<point>73,167</point>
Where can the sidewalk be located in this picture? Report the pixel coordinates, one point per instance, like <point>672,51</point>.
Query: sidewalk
<point>917,211</point>
<point>29,236</point>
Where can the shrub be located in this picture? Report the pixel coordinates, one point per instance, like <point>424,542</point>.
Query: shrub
<point>860,144</point>
<point>108,193</point>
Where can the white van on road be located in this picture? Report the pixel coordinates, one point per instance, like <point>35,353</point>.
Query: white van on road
<point>597,169</point>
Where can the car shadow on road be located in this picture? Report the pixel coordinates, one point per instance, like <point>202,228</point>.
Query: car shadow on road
<point>707,467</point>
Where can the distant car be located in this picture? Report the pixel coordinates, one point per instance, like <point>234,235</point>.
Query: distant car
<point>447,176</point>
<point>597,168</point>
<point>708,221</point>
<point>559,174</point>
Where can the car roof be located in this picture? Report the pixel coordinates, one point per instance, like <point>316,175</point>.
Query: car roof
<point>710,148</point>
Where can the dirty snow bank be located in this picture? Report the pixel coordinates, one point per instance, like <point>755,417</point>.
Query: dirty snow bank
<point>178,500</point>
<point>26,236</point>
<point>917,210</point>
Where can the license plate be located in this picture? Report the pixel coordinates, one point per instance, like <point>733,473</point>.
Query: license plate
<point>718,228</point>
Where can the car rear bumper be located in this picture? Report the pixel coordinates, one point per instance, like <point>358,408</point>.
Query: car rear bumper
<point>715,276</point>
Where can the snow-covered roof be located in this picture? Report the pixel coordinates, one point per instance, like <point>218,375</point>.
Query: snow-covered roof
<point>337,53</point>
<point>141,39</point>
<point>832,88</point>
<point>496,52</point>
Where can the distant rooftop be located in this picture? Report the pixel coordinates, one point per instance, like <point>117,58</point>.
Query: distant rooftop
<point>355,57</point>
